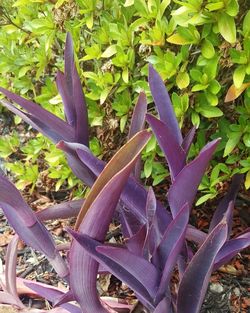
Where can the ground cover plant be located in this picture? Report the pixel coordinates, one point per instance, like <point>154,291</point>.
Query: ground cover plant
<point>200,48</point>
<point>157,237</point>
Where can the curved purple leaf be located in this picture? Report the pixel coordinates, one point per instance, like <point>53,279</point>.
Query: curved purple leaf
<point>10,270</point>
<point>172,150</point>
<point>134,195</point>
<point>195,280</point>
<point>48,123</point>
<point>135,243</point>
<point>169,248</point>
<point>52,294</point>
<point>137,124</point>
<point>231,248</point>
<point>61,210</point>
<point>94,219</point>
<point>163,103</point>
<point>185,186</point>
<point>164,306</point>
<point>154,235</point>
<point>125,270</point>
<point>188,140</point>
<point>27,226</point>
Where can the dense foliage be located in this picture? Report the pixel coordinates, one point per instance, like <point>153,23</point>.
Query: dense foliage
<point>157,237</point>
<point>199,47</point>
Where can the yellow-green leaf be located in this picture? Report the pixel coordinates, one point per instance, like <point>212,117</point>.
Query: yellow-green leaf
<point>207,49</point>
<point>111,50</point>
<point>227,27</point>
<point>177,39</point>
<point>182,80</point>
<point>247,180</point>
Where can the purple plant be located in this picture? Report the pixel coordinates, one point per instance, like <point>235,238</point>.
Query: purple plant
<point>156,237</point>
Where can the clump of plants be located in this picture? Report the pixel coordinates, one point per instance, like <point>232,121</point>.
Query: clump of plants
<point>157,237</point>
<point>200,49</point>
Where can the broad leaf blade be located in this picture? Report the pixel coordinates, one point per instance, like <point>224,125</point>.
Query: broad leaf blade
<point>163,103</point>
<point>169,248</point>
<point>94,219</point>
<point>121,271</point>
<point>195,280</point>
<point>231,248</point>
<point>41,118</point>
<point>137,124</point>
<point>173,152</point>
<point>61,210</point>
<point>185,186</point>
<point>27,226</point>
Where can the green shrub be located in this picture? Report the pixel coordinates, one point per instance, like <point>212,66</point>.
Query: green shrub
<point>200,48</point>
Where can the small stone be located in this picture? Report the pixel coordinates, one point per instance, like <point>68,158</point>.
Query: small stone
<point>216,288</point>
<point>237,291</point>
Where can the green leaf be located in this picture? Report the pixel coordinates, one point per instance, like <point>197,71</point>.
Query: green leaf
<point>207,49</point>
<point>204,198</point>
<point>123,122</point>
<point>210,111</point>
<point>246,25</point>
<point>182,80</point>
<point>111,50</point>
<point>247,180</point>
<point>148,165</point>
<point>195,119</point>
<point>232,7</point>
<point>125,75</point>
<point>232,142</point>
<point>211,98</point>
<point>199,87</point>
<point>246,139</point>
<point>227,27</point>
<point>239,75</point>
<point>215,6</point>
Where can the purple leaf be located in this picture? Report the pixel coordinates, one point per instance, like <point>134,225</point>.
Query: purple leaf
<point>61,210</point>
<point>163,103</point>
<point>185,186</point>
<point>44,121</point>
<point>223,205</point>
<point>187,141</point>
<point>138,117</point>
<point>78,168</point>
<point>27,226</point>
<point>172,150</point>
<point>195,280</point>
<point>231,248</point>
<point>164,306</point>
<point>52,294</point>
<point>169,248</point>
<point>153,237</point>
<point>135,243</point>
<point>64,298</point>
<point>94,219</point>
<point>10,269</point>
<point>123,264</point>
<point>135,265</point>
<point>134,195</point>
<point>137,124</point>
<point>196,235</point>
<point>7,298</point>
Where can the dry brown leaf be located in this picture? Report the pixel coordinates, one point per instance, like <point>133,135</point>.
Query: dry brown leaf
<point>233,92</point>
